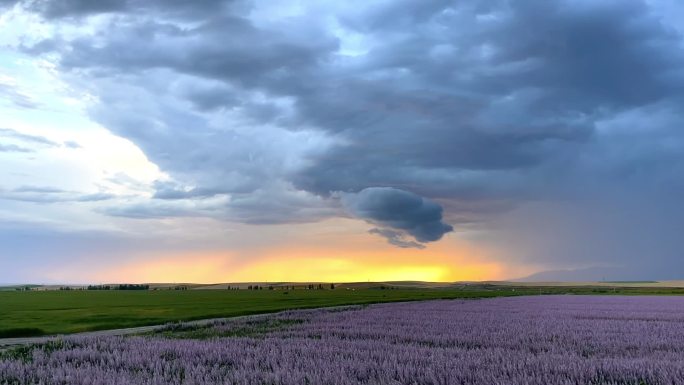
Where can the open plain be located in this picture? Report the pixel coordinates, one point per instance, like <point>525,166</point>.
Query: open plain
<point>531,340</point>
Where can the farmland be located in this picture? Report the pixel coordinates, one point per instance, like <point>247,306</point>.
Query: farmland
<point>536,340</point>
<point>52,312</point>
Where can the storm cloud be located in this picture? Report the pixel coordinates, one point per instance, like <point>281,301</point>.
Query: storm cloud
<point>399,210</point>
<point>396,238</point>
<point>409,115</point>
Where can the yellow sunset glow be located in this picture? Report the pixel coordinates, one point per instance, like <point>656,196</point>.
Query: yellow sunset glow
<point>367,259</point>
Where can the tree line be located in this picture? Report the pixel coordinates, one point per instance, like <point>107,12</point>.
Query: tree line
<point>123,286</point>
<point>320,286</point>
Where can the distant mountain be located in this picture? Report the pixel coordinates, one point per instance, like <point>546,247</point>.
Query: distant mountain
<point>591,274</point>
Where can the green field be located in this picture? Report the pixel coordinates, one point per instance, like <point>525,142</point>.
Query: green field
<point>56,312</point>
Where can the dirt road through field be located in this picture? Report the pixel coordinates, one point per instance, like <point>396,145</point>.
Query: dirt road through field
<point>8,342</point>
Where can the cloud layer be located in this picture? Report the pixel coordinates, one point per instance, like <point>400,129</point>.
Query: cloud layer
<point>416,113</point>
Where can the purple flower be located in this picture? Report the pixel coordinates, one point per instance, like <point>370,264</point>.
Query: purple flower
<point>545,340</point>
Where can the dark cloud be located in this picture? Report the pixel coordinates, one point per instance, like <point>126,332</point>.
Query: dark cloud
<point>171,191</point>
<point>75,8</point>
<point>279,204</point>
<point>275,204</point>
<point>7,3</point>
<point>229,48</point>
<point>502,90</point>
<point>400,210</point>
<point>482,107</point>
<point>396,238</point>
<point>82,8</point>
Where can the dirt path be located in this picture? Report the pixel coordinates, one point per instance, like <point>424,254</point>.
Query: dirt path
<point>8,342</point>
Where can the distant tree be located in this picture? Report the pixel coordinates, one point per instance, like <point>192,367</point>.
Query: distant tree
<point>128,286</point>
<point>99,287</point>
<point>332,286</point>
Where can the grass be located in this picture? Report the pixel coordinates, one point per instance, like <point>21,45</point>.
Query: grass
<point>59,312</point>
<point>20,332</point>
<point>253,328</point>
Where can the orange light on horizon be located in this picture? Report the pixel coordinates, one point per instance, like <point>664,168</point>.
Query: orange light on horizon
<point>339,250</point>
<point>360,261</point>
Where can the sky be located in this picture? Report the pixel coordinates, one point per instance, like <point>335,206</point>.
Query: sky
<point>272,140</point>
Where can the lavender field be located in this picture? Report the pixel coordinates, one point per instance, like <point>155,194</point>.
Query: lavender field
<point>544,340</point>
